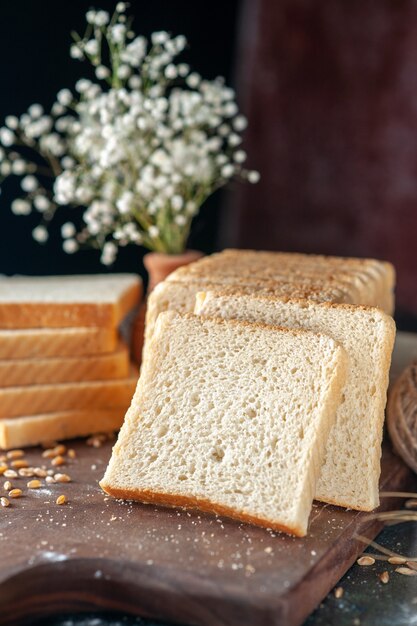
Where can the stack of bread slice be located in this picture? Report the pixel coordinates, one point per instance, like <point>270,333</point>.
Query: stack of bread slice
<point>64,370</point>
<point>268,373</point>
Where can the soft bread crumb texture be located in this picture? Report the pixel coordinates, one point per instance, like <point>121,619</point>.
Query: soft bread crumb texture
<point>230,417</point>
<point>350,474</point>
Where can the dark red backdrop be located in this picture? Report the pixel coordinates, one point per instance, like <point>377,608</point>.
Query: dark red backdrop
<point>331,92</point>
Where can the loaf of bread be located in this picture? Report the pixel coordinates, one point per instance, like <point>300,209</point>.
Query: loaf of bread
<point>230,417</point>
<point>179,296</point>
<point>366,281</point>
<point>20,432</point>
<point>50,398</point>
<point>65,301</point>
<point>39,371</point>
<point>31,343</point>
<point>350,474</point>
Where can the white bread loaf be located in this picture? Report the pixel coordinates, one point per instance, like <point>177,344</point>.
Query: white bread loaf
<point>366,281</point>
<point>20,432</point>
<point>350,474</point>
<point>38,371</point>
<point>30,343</point>
<point>230,417</point>
<point>64,301</point>
<point>180,296</point>
<point>35,399</point>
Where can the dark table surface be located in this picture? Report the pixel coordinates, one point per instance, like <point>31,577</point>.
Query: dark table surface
<point>365,601</point>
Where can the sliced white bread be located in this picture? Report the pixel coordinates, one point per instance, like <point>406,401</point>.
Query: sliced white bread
<point>49,342</point>
<point>367,281</point>
<point>63,301</point>
<point>38,371</point>
<point>35,399</point>
<point>350,474</point>
<point>232,418</point>
<point>180,296</point>
<point>21,432</point>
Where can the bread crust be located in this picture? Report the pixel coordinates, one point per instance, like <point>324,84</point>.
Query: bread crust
<point>191,502</point>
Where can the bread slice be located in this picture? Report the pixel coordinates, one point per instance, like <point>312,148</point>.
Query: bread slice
<point>230,417</point>
<point>64,301</point>
<point>65,369</point>
<point>34,399</point>
<point>350,474</point>
<point>21,432</point>
<point>51,342</point>
<point>367,281</point>
<point>180,296</point>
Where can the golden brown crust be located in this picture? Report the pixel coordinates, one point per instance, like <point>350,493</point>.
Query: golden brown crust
<point>289,300</point>
<point>226,322</point>
<point>191,502</point>
<point>64,314</point>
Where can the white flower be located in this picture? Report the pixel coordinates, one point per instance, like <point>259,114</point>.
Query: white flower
<point>70,246</point>
<point>29,183</point>
<point>118,33</point>
<point>227,170</point>
<point>191,207</point>
<point>102,72</point>
<point>171,72</point>
<point>123,72</point>
<point>121,7</point>
<point>91,16</point>
<point>135,82</point>
<point>7,138</point>
<point>40,234</point>
<point>239,156</point>
<point>101,18</point>
<point>91,47</point>
<point>234,140</point>
<point>183,69</point>
<point>41,203</point>
<point>153,232</point>
<point>177,203</point>
<point>12,122</point>
<point>21,207</point>
<point>109,253</point>
<point>159,37</point>
<point>181,220</point>
<point>240,123</point>
<point>193,80</point>
<point>35,111</point>
<point>64,188</point>
<point>124,204</point>
<point>18,167</point>
<point>67,162</point>
<point>5,168</point>
<point>76,52</point>
<point>180,42</point>
<point>253,176</point>
<point>68,230</point>
<point>64,97</point>
<point>82,85</point>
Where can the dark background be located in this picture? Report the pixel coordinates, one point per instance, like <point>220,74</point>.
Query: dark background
<point>35,64</point>
<point>330,90</point>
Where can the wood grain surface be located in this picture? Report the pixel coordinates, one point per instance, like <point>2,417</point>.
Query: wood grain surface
<point>95,552</point>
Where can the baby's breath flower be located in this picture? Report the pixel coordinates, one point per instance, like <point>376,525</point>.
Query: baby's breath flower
<point>64,97</point>
<point>171,71</point>
<point>153,232</point>
<point>109,253</point>
<point>7,138</point>
<point>227,170</point>
<point>91,47</point>
<point>41,203</point>
<point>12,121</point>
<point>21,207</point>
<point>177,203</point>
<point>35,111</point>
<point>101,18</point>
<point>40,234</point>
<point>193,80</point>
<point>253,176</point>
<point>121,7</point>
<point>118,33</point>
<point>76,52</point>
<point>240,123</point>
<point>102,72</point>
<point>239,156</point>
<point>19,167</point>
<point>68,230</point>
<point>180,220</point>
<point>70,246</point>
<point>159,37</point>
<point>29,183</point>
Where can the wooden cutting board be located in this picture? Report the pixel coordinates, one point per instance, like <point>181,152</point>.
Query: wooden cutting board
<point>191,568</point>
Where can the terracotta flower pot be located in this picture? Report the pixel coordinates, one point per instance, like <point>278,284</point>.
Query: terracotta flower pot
<point>159,266</point>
